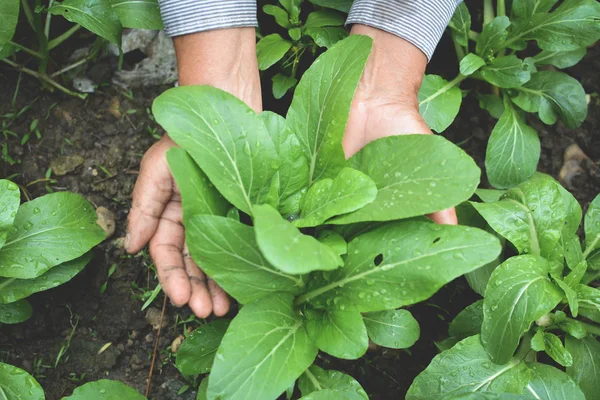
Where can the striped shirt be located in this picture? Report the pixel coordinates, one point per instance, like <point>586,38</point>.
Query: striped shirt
<point>421,22</point>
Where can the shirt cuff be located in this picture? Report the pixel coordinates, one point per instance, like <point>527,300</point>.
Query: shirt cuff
<point>421,22</point>
<point>182,17</point>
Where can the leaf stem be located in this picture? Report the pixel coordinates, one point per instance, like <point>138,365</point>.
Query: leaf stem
<point>25,49</point>
<point>70,67</point>
<point>501,8</point>
<point>590,328</point>
<point>525,347</point>
<point>45,79</point>
<point>64,36</point>
<point>28,13</point>
<point>460,51</point>
<point>474,36</point>
<point>589,248</point>
<point>313,379</point>
<point>488,12</point>
<point>444,89</point>
<point>48,19</point>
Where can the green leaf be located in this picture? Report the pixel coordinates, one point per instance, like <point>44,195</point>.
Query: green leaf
<point>295,33</point>
<point>560,59</point>
<point>586,364</point>
<point>140,14</point>
<point>281,85</point>
<point>327,36</point>
<point>537,341</point>
<point>48,231</point>
<point>519,292</point>
<point>9,14</point>
<point>12,289</point>
<point>401,263</point>
<point>271,49</point>
<point>293,172</point>
<point>573,211</point>
<point>97,16</point>
<point>573,25</point>
<point>10,198</point>
<point>340,333</point>
<point>198,195</point>
<point>409,184</point>
<point>350,190</point>
<point>525,9</point>
<point>202,389</point>
<point>15,382</point>
<point>573,328</point>
<point>549,383</point>
<point>292,7</point>
<point>492,103</point>
<point>340,5</point>
<point>104,389</point>
<point>588,296</point>
<point>224,137</point>
<point>396,329</point>
<point>227,251</point>
<point>508,71</point>
<point>556,350</point>
<point>479,278</point>
<point>321,18</point>
<point>6,50</point>
<point>554,94</point>
<point>265,349</point>
<point>281,16</point>
<point>334,240</point>
<point>15,313</point>
<point>316,379</point>
<point>513,150</point>
<point>197,352</point>
<point>460,24</point>
<point>321,105</point>
<point>592,226</point>
<point>492,36</point>
<point>467,322</point>
<point>465,369</point>
<point>471,63</point>
<point>439,102</point>
<point>570,294</point>
<point>575,276</point>
<point>286,248</point>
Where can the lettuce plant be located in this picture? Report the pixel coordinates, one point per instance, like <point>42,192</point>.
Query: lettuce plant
<point>105,18</point>
<point>543,299</point>
<point>320,251</point>
<point>514,83</point>
<point>43,244</point>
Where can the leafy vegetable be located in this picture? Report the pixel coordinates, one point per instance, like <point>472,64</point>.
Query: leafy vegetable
<point>104,389</point>
<point>396,329</point>
<point>197,352</point>
<point>14,382</point>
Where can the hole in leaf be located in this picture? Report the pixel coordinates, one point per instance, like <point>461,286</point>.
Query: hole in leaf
<point>378,259</point>
<point>437,239</point>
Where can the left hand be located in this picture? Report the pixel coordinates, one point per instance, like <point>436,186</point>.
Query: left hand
<point>385,102</point>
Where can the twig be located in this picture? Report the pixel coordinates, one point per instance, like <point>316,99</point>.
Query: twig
<point>162,316</point>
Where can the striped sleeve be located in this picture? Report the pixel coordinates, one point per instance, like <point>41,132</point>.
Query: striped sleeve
<point>181,17</point>
<point>421,22</point>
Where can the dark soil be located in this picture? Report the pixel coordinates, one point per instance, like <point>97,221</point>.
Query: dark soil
<point>112,145</point>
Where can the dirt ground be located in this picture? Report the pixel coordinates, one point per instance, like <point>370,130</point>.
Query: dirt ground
<point>110,132</point>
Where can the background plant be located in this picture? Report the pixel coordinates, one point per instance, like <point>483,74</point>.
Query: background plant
<point>105,18</point>
<point>321,252</point>
<point>544,299</point>
<point>516,55</point>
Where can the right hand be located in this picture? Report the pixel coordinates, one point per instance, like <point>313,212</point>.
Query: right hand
<point>225,59</point>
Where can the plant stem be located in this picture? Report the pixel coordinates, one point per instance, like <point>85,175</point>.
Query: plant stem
<point>70,67</point>
<point>488,12</point>
<point>474,35</point>
<point>48,19</point>
<point>25,49</point>
<point>591,329</point>
<point>525,346</point>
<point>501,8</point>
<point>45,79</point>
<point>43,41</point>
<point>28,13</point>
<point>460,51</point>
<point>61,38</point>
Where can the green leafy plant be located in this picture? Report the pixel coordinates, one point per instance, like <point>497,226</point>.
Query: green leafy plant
<point>105,18</point>
<point>322,251</point>
<point>322,28</point>
<point>514,82</point>
<point>43,244</point>
<point>544,299</point>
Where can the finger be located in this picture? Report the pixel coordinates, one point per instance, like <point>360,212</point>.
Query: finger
<point>166,248</point>
<point>445,217</point>
<point>220,300</point>
<point>200,300</point>
<point>152,192</point>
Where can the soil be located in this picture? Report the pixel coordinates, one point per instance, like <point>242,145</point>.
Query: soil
<point>110,131</point>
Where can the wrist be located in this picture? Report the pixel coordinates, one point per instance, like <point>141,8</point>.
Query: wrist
<point>223,58</point>
<point>395,68</point>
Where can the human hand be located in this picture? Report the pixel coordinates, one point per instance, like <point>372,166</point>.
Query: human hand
<point>225,59</point>
<point>386,101</point>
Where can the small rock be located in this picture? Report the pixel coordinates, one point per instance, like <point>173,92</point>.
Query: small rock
<point>84,85</point>
<point>121,347</point>
<point>129,343</point>
<point>136,363</point>
<point>106,219</point>
<point>573,163</point>
<point>153,316</point>
<point>108,358</point>
<point>149,338</point>
<point>65,164</point>
<point>114,108</point>
<point>176,344</point>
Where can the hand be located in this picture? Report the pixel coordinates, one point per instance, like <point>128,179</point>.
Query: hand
<point>385,102</point>
<point>225,59</point>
